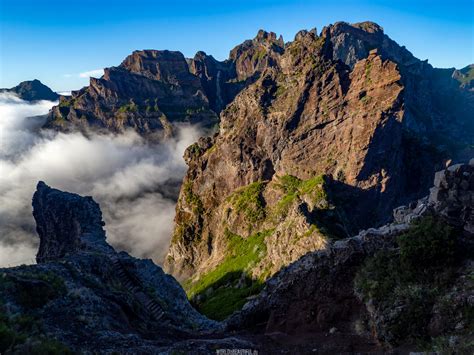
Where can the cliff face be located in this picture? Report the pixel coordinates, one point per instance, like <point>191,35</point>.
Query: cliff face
<point>334,132</point>
<point>32,91</point>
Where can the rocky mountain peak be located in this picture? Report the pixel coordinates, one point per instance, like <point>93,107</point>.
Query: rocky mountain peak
<point>269,38</point>
<point>327,136</point>
<point>368,26</point>
<point>465,76</point>
<point>352,42</point>
<point>253,56</point>
<point>163,65</point>
<point>303,33</point>
<point>32,90</point>
<point>66,223</point>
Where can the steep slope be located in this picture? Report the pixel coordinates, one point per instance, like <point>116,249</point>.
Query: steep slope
<point>335,132</point>
<point>32,91</point>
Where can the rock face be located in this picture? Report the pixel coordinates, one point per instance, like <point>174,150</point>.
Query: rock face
<point>222,81</point>
<point>66,223</point>
<point>87,296</point>
<point>333,130</point>
<point>32,91</point>
<point>322,290</point>
<point>453,195</point>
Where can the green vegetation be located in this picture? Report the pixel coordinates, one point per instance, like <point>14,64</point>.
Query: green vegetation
<point>33,290</point>
<point>428,244</point>
<point>294,188</point>
<point>192,199</point>
<point>315,189</point>
<point>248,200</point>
<point>50,347</point>
<point>368,69</point>
<point>67,102</point>
<point>365,99</point>
<point>281,89</point>
<point>195,150</point>
<point>194,111</point>
<point>325,218</point>
<point>130,107</point>
<point>220,292</point>
<point>149,107</point>
<point>259,54</point>
<point>18,329</point>
<point>413,276</point>
<point>467,75</point>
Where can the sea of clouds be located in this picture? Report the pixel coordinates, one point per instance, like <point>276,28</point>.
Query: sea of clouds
<point>134,182</point>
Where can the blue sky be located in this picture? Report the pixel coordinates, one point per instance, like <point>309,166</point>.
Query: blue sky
<point>55,41</point>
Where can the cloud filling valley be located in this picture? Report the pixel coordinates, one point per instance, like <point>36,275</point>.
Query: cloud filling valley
<point>133,181</point>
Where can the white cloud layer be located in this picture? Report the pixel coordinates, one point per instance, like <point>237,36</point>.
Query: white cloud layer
<point>96,73</point>
<point>132,180</point>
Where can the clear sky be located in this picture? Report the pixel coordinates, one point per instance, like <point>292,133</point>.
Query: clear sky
<point>55,41</point>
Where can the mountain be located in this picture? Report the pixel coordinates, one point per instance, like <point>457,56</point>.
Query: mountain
<point>146,92</point>
<point>330,134</point>
<point>32,91</point>
<point>318,138</point>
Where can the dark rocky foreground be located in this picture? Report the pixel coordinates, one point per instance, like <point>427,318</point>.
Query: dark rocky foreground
<point>83,296</point>
<point>33,90</point>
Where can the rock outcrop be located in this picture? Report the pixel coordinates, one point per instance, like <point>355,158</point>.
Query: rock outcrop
<point>33,90</point>
<point>324,292</point>
<point>331,134</point>
<point>66,224</point>
<point>83,296</point>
